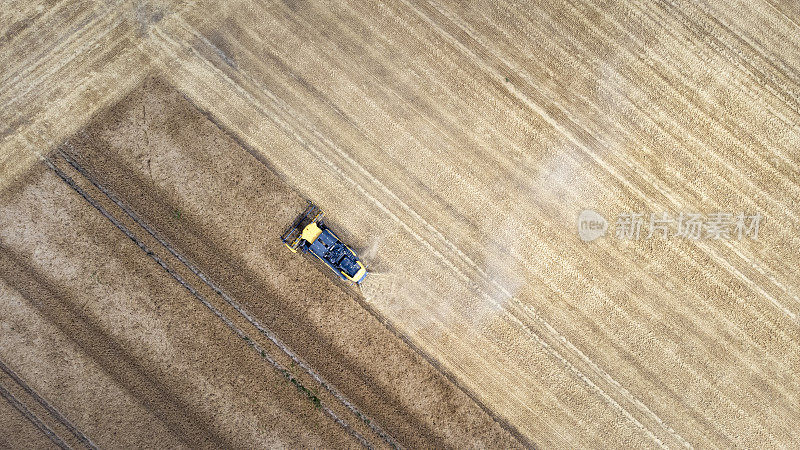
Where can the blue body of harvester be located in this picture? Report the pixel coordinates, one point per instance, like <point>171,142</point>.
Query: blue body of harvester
<point>310,234</point>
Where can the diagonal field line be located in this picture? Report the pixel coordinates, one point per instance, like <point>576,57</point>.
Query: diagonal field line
<point>50,408</point>
<point>575,133</point>
<point>216,288</point>
<point>71,183</point>
<point>503,422</point>
<point>466,278</point>
<point>19,406</point>
<point>529,310</point>
<point>575,136</point>
<point>554,331</point>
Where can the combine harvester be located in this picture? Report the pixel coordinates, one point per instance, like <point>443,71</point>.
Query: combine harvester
<point>309,233</point>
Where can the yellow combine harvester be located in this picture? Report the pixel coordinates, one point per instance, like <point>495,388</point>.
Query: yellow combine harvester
<point>309,234</point>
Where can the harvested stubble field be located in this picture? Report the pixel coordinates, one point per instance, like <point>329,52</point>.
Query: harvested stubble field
<point>169,282</point>
<point>454,145</point>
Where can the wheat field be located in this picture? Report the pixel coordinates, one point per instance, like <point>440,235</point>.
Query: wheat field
<point>455,144</point>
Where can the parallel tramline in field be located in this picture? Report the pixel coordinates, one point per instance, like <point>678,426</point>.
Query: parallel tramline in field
<point>453,147</point>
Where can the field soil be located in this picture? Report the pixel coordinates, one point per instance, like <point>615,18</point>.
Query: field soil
<point>454,146</point>
<point>24,434</point>
<point>103,333</point>
<point>144,282</point>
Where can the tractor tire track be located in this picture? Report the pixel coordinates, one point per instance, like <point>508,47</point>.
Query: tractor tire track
<point>283,109</point>
<point>235,305</point>
<point>19,406</point>
<point>286,109</point>
<point>79,435</point>
<point>189,287</point>
<point>284,294</point>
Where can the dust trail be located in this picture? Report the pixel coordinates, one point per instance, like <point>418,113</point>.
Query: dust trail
<point>385,288</point>
<point>382,285</point>
<point>389,290</point>
<point>502,243</point>
<point>371,253</point>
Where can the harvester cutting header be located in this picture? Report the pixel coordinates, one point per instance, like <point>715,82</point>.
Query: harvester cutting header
<point>309,234</point>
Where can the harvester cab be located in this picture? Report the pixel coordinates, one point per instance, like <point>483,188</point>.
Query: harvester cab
<point>310,234</point>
